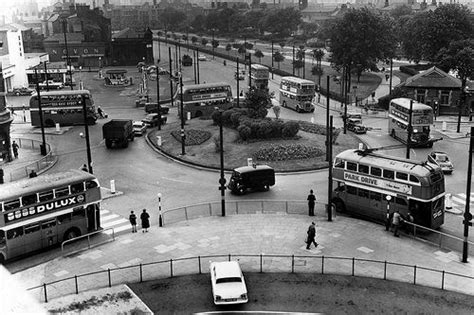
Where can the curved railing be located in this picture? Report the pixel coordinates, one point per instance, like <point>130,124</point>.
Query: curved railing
<point>355,267</point>
<point>43,163</point>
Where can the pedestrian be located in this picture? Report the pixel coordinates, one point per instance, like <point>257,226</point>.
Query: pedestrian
<point>396,220</point>
<point>311,235</point>
<point>15,149</point>
<point>388,220</point>
<point>133,221</point>
<point>387,76</point>
<point>33,174</point>
<point>84,168</point>
<point>311,201</point>
<point>145,217</point>
<point>100,112</point>
<point>408,223</point>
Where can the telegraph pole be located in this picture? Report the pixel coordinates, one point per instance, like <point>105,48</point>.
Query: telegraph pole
<point>410,129</point>
<point>328,158</point>
<point>171,75</point>
<point>330,171</point>
<point>467,215</point>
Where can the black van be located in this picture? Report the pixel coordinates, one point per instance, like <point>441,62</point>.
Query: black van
<point>256,177</point>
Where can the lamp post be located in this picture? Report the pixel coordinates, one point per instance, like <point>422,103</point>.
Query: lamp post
<point>68,61</point>
<point>86,129</point>
<point>158,93</point>
<point>183,135</point>
<point>329,146</point>
<point>272,59</point>
<point>160,217</point>
<point>388,198</point>
<point>40,109</point>
<point>100,67</point>
<point>222,180</point>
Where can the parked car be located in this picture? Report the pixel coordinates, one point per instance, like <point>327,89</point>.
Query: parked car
<point>441,159</point>
<point>21,91</point>
<point>202,58</point>
<point>256,177</point>
<point>355,125</point>
<point>139,128</point>
<point>151,120</point>
<point>228,283</point>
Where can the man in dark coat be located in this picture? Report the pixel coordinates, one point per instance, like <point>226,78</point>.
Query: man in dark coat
<point>145,217</point>
<point>311,235</point>
<point>311,201</point>
<point>133,221</point>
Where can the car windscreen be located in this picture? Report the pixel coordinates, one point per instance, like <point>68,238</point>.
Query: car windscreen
<point>228,280</point>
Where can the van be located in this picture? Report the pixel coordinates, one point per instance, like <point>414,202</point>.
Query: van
<point>251,178</point>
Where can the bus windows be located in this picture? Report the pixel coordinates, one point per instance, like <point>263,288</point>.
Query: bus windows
<point>79,212</point>
<point>14,233</point>
<point>31,228</point>
<point>351,190</point>
<point>48,224</point>
<point>62,192</point>
<point>64,218</point>
<point>363,193</point>
<point>91,184</point>
<point>364,169</point>
<point>376,171</point>
<point>75,188</point>
<point>339,163</point>
<point>45,196</point>
<point>2,237</point>
<point>401,201</point>
<point>375,196</point>
<point>351,166</point>
<point>29,199</point>
<point>414,179</point>
<point>10,205</point>
<point>388,174</point>
<point>402,176</point>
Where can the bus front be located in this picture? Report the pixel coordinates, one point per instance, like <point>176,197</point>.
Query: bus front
<point>421,122</point>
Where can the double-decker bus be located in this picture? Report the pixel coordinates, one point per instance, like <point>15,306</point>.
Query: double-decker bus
<point>201,99</point>
<point>297,94</point>
<point>259,76</point>
<point>363,180</point>
<point>63,107</point>
<point>421,119</point>
<point>45,210</point>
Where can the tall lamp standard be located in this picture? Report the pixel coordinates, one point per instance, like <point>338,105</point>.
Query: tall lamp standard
<point>158,93</point>
<point>222,180</point>
<point>40,109</point>
<point>68,61</point>
<point>183,135</point>
<point>86,129</point>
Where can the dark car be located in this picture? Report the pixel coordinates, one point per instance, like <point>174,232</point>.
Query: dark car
<point>355,125</point>
<point>152,120</point>
<point>255,177</point>
<point>153,108</point>
<point>22,91</point>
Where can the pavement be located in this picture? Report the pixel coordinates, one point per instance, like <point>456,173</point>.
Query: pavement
<point>244,234</point>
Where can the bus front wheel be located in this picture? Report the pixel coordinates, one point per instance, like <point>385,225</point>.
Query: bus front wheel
<point>72,233</point>
<point>340,206</point>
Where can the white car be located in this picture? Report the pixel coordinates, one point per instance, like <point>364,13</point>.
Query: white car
<point>202,58</point>
<point>228,283</point>
<point>442,160</point>
<point>139,128</point>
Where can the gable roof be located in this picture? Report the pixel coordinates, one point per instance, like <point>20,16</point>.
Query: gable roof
<point>433,78</point>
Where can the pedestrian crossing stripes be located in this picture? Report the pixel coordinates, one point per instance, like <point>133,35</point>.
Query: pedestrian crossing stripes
<point>115,221</point>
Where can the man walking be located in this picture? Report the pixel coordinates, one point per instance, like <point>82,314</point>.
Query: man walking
<point>311,201</point>
<point>396,220</point>
<point>15,149</point>
<point>311,235</point>
<point>133,221</point>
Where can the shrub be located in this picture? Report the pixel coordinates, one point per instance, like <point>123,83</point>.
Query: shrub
<point>216,116</point>
<point>244,132</point>
<point>226,117</point>
<point>235,118</point>
<point>290,129</point>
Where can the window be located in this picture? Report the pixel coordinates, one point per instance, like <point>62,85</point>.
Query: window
<point>48,224</point>
<point>351,190</point>
<point>375,171</point>
<point>64,218</point>
<point>32,228</point>
<point>414,179</point>
<point>363,193</point>
<point>339,163</point>
<point>375,196</point>
<point>388,174</point>
<point>10,205</point>
<point>363,169</point>
<point>351,166</point>
<point>62,192</point>
<point>79,212</point>
<point>13,233</point>
<point>77,188</point>
<point>402,176</point>
<point>444,98</point>
<point>401,201</point>
<point>29,199</point>
<point>45,196</point>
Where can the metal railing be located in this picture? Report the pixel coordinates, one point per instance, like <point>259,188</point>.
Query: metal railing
<point>440,239</point>
<point>88,236</point>
<point>43,163</point>
<point>355,267</point>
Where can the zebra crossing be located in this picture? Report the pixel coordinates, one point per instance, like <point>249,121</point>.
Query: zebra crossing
<point>115,221</point>
<point>458,201</point>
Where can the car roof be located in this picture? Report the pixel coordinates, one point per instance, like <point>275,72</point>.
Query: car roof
<point>247,169</point>
<point>227,269</point>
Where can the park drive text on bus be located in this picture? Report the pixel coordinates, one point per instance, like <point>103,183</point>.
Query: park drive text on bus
<point>297,94</point>
<point>363,180</point>
<point>421,120</point>
<point>46,210</point>
<point>200,100</point>
<point>63,107</point>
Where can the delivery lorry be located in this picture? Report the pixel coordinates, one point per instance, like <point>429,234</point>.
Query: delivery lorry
<point>118,132</point>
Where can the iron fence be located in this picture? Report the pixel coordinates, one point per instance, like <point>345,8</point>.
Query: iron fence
<point>355,267</point>
<point>44,163</point>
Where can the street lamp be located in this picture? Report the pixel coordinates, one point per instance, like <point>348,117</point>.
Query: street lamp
<point>222,180</point>
<point>100,67</point>
<point>40,109</point>
<point>183,135</point>
<point>86,129</point>
<point>158,93</point>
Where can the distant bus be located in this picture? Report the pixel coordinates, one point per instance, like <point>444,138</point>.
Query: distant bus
<point>63,107</point>
<point>422,119</point>
<point>363,181</point>
<point>201,99</point>
<point>44,211</point>
<point>297,94</point>
<point>259,75</point>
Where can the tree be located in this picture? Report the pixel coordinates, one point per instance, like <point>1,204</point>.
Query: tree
<point>194,39</point>
<point>259,54</point>
<point>282,21</point>
<point>361,38</point>
<point>282,44</point>
<point>204,41</point>
<point>215,43</point>
<point>172,18</point>
<point>241,50</point>
<point>298,64</point>
<point>278,57</point>
<point>228,48</point>
<point>257,101</point>
<point>426,33</point>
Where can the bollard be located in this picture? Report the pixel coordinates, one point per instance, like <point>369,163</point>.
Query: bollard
<point>449,202</point>
<point>188,115</point>
<point>58,128</point>
<point>312,120</point>
<point>444,127</point>
<point>158,140</point>
<point>249,162</point>
<point>112,186</point>
<point>361,146</point>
